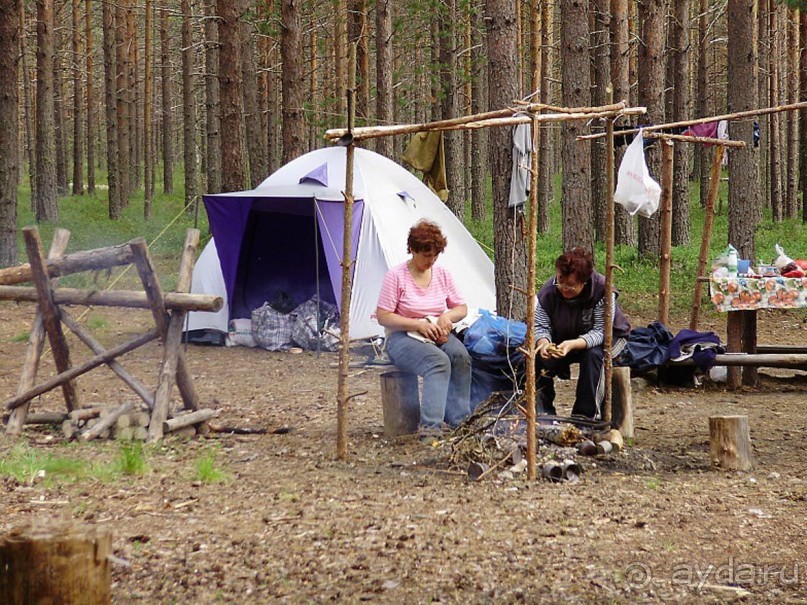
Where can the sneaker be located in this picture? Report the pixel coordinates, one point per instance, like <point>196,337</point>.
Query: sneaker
<point>430,434</point>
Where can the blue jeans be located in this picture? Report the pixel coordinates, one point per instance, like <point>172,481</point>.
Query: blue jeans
<point>446,372</point>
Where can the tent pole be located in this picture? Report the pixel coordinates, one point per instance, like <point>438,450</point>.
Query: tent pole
<point>316,268</point>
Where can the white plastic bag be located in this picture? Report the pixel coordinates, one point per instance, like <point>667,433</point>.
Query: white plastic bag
<point>635,188</point>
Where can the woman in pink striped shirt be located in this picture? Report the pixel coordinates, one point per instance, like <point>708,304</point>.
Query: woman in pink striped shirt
<point>418,305</point>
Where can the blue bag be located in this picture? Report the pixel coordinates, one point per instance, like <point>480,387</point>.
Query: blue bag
<point>492,336</point>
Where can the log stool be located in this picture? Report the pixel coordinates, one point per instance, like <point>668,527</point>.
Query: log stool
<point>622,402</point>
<point>400,402</point>
<point>55,562</point>
<point>730,443</point>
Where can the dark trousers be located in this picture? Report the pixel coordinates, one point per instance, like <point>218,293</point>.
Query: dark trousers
<point>590,390</point>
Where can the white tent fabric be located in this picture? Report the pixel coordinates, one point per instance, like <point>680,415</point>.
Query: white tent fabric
<point>394,200</point>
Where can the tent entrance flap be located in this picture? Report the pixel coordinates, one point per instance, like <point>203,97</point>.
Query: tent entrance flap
<point>282,253</point>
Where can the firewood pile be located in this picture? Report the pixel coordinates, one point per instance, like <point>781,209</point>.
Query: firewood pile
<point>128,422</point>
<point>494,439</point>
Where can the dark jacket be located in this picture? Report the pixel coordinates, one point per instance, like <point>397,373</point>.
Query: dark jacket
<point>572,318</point>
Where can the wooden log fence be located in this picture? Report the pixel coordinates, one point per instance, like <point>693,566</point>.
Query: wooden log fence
<point>168,311</point>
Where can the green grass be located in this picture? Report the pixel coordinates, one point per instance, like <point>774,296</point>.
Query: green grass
<point>207,470</point>
<point>27,465</point>
<point>131,459</point>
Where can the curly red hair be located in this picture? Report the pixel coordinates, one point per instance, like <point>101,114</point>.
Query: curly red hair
<point>577,263</point>
<point>426,236</point>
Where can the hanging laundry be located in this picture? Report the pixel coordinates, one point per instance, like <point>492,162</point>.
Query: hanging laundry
<point>520,177</point>
<point>426,152</point>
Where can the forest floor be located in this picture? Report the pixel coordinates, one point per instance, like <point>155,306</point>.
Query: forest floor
<point>397,523</point>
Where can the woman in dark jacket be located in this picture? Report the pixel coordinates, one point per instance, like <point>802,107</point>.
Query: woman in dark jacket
<point>569,322</point>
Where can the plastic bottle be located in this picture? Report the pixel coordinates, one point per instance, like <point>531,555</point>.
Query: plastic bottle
<point>732,265</point>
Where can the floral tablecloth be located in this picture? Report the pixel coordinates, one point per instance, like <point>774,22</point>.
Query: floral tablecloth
<point>749,293</point>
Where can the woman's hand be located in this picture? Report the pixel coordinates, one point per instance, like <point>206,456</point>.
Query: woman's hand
<point>432,331</point>
<point>542,348</point>
<point>567,346</point>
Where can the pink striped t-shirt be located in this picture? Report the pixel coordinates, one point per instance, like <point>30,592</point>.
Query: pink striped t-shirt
<point>400,294</point>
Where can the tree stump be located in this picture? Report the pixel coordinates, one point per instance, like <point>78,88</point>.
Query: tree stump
<point>730,442</point>
<point>622,402</point>
<point>400,402</point>
<point>55,562</point>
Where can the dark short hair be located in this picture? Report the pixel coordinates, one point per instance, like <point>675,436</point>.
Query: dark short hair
<point>576,262</point>
<point>426,236</point>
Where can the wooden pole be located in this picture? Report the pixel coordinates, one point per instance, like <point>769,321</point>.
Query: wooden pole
<point>50,312</point>
<point>145,268</point>
<point>182,301</point>
<point>183,420</point>
<point>173,363</point>
<point>529,344</point>
<point>55,562</point>
<point>36,342</point>
<point>361,133</point>
<point>666,231</point>
<point>706,237</point>
<point>730,443</point>
<point>372,132</point>
<point>726,116</point>
<point>69,374</point>
<point>116,367</point>
<point>89,260</point>
<point>608,315</point>
<point>664,136</point>
<point>347,272</point>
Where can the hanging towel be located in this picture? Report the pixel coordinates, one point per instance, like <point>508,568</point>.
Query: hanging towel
<point>520,177</point>
<point>426,152</point>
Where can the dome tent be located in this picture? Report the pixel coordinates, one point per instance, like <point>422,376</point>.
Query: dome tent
<point>266,241</point>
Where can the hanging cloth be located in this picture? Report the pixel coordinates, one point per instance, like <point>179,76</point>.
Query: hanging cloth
<point>426,152</point>
<point>520,177</point>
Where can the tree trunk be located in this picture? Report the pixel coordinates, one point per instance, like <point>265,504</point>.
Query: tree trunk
<point>9,118</point>
<point>167,112</point>
<point>29,108</point>
<point>651,95</point>
<point>624,227</point>
<point>576,208</point>
<point>314,102</point>
<point>774,144</point>
<point>681,111</point>
<point>449,108</point>
<point>293,81</point>
<point>803,118</point>
<point>601,68</point>
<point>189,110</point>
<point>357,33</point>
<point>212,101</point>
<point>58,112</point>
<point>763,95</point>
<point>702,153</point>
<point>546,142</point>
<point>339,57</point>
<point>743,199</point>
<point>135,106</point>
<point>148,114</point>
<point>78,97</point>
<point>122,102</point>
<point>792,117</point>
<point>256,145</point>
<point>383,71</point>
<point>508,226</point>
<point>110,97</point>
<point>45,202</point>
<point>233,169</point>
<point>90,76</point>
<point>479,138</point>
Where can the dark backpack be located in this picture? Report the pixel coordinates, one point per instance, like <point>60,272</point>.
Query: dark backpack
<point>646,348</point>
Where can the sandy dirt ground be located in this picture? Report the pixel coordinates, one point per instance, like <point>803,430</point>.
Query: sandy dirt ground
<point>397,523</point>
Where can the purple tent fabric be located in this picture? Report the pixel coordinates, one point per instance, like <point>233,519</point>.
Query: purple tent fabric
<point>330,217</point>
<point>318,175</point>
<point>266,247</point>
